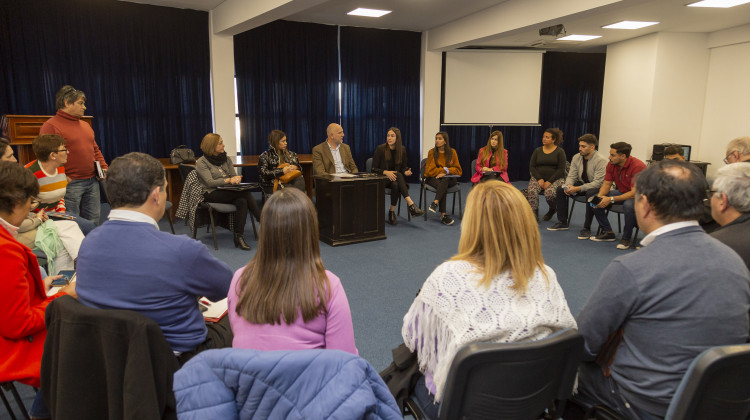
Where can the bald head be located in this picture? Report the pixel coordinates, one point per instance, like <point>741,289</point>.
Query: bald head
<point>675,190</point>
<point>335,134</point>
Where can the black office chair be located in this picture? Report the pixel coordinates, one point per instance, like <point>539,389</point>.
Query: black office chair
<point>424,187</point>
<point>715,386</point>
<point>510,380</point>
<point>11,387</point>
<point>368,168</point>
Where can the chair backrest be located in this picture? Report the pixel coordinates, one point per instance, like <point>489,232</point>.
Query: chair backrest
<point>185,170</point>
<point>422,165</point>
<point>473,166</point>
<point>368,165</point>
<point>512,380</point>
<point>716,385</point>
<point>100,363</point>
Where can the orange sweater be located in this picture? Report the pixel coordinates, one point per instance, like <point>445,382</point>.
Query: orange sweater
<point>431,170</point>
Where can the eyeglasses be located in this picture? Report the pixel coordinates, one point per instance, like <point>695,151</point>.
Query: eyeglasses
<point>34,203</point>
<point>710,193</point>
<point>726,158</point>
<point>62,151</point>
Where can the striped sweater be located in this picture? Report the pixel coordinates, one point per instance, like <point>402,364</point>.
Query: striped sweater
<point>51,187</point>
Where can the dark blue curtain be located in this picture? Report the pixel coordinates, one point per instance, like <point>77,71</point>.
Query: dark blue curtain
<point>144,69</point>
<point>380,76</point>
<point>571,100</point>
<point>287,76</point>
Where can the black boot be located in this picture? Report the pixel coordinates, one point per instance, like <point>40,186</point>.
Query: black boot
<point>549,214</point>
<point>415,211</point>
<point>392,218</point>
<point>239,242</point>
<point>536,215</point>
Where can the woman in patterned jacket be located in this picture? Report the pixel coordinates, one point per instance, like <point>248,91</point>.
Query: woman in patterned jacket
<point>496,289</point>
<point>269,161</point>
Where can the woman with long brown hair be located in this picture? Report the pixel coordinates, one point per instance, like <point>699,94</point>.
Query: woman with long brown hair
<point>496,289</point>
<point>390,160</point>
<point>440,171</point>
<point>492,161</point>
<point>284,299</point>
<point>276,162</point>
<point>215,169</point>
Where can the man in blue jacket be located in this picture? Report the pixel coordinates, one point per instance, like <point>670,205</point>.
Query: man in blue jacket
<point>658,308</point>
<point>127,263</point>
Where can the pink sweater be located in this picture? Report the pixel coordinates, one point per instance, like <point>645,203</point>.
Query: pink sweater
<point>328,331</point>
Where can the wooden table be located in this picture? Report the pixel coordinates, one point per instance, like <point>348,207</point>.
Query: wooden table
<point>174,180</point>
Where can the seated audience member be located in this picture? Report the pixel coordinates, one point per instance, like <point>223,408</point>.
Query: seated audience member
<point>127,263</point>
<point>6,152</point>
<point>441,171</point>
<point>276,162</point>
<point>738,150</point>
<point>587,169</point>
<point>674,152</point>
<point>333,156</point>
<point>491,163</point>
<point>621,170</point>
<point>284,299</point>
<point>22,331</point>
<point>496,289</point>
<point>656,309</point>
<point>730,207</point>
<point>215,169</point>
<point>390,160</point>
<point>547,167</point>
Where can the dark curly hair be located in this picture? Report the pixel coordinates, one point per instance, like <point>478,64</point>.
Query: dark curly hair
<point>18,184</point>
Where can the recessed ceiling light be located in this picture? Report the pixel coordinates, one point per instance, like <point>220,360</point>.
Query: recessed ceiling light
<point>371,12</point>
<point>718,3</point>
<point>580,37</point>
<point>630,24</point>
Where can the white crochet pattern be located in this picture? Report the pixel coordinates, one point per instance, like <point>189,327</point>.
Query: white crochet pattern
<point>452,311</point>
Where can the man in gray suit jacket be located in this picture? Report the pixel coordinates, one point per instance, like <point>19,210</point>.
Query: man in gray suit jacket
<point>333,156</point>
<point>656,309</point>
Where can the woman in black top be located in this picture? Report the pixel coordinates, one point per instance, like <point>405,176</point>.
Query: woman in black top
<point>390,160</point>
<point>269,161</point>
<point>547,169</point>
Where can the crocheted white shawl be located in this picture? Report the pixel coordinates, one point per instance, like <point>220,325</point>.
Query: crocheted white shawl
<point>452,311</point>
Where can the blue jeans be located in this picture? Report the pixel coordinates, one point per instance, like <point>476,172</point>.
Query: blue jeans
<point>39,407</point>
<point>630,221</point>
<point>596,389</point>
<point>425,400</point>
<point>82,199</point>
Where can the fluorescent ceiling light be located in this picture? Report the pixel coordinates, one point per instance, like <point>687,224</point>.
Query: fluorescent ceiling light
<point>630,24</point>
<point>371,12</point>
<point>580,37</point>
<point>718,3</point>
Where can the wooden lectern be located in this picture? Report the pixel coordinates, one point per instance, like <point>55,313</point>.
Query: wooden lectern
<point>350,210</point>
<point>23,129</point>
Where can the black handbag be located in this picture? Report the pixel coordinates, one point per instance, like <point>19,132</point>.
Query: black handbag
<point>181,154</point>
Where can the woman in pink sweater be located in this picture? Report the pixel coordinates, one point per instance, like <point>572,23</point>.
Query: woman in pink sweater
<point>284,299</point>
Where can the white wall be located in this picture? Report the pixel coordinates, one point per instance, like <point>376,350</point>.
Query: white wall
<point>654,91</point>
<point>726,113</point>
<point>222,88</point>
<point>432,63</point>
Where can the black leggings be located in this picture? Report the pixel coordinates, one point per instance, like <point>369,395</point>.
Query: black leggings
<point>244,201</point>
<point>441,185</point>
<point>398,188</point>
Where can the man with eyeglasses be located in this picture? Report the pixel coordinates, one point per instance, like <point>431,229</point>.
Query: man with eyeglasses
<point>738,150</point>
<point>82,194</point>
<point>655,310</point>
<point>730,207</point>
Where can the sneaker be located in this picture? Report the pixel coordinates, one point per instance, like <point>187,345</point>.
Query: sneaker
<point>446,220</point>
<point>624,244</point>
<point>559,226</point>
<point>584,233</point>
<point>549,214</point>
<point>433,207</point>
<point>604,237</point>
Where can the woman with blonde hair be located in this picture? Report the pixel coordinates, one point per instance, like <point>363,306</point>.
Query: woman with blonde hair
<point>492,161</point>
<point>496,289</point>
<point>284,299</point>
<point>215,169</point>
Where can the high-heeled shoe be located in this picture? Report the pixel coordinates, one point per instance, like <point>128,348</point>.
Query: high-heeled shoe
<point>415,211</point>
<point>239,242</point>
<point>392,218</point>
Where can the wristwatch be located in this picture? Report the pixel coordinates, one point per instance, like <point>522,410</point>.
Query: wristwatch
<point>612,201</point>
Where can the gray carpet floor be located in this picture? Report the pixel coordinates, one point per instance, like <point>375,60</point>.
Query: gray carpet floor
<point>381,278</point>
